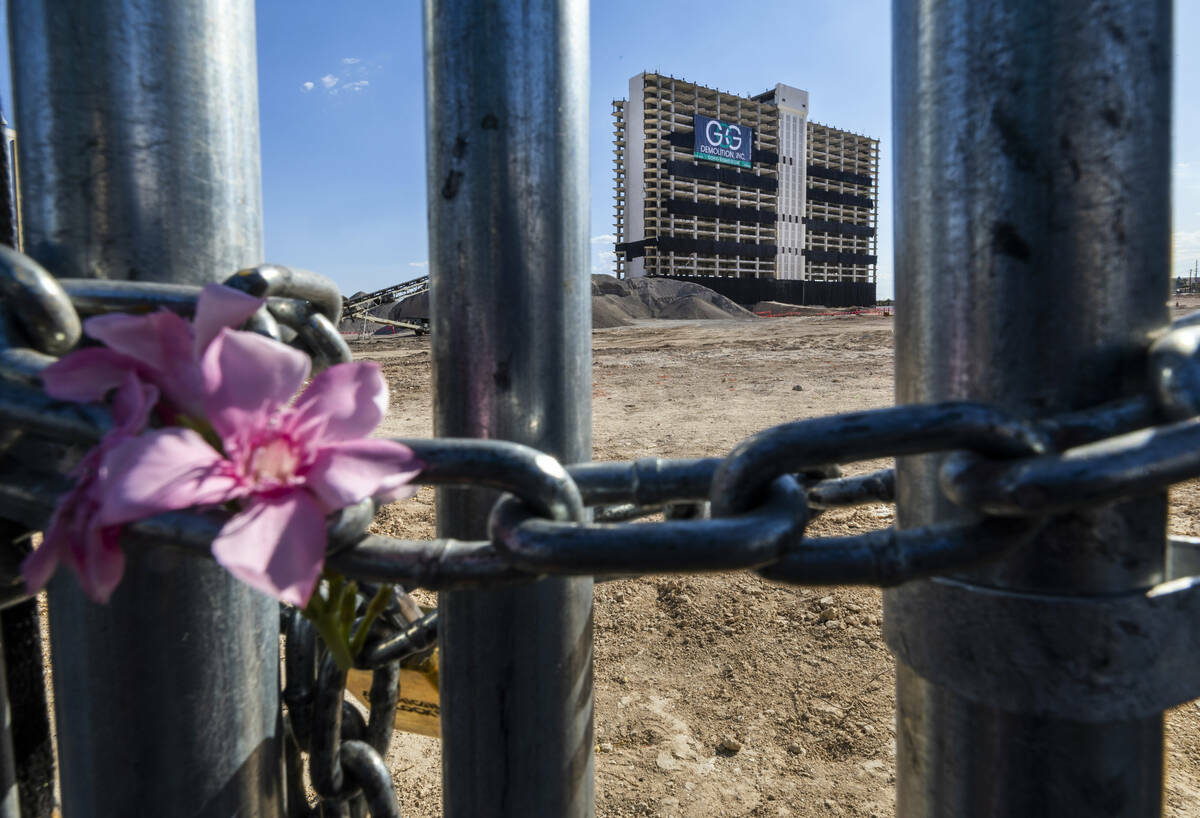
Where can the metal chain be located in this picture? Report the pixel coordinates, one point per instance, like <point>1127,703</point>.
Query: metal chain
<point>345,752</point>
<point>749,510</point>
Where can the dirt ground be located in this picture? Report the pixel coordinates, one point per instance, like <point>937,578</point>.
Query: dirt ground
<point>727,695</point>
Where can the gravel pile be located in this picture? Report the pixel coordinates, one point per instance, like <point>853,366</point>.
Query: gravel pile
<point>415,307</point>
<point>358,325</point>
<point>618,302</point>
<point>780,308</point>
<point>615,303</point>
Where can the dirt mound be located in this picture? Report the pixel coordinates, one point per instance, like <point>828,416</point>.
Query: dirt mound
<point>780,308</point>
<point>607,285</point>
<point>660,298</point>
<point>415,306</point>
<point>692,306</point>
<point>607,311</point>
<point>615,303</point>
<point>632,305</point>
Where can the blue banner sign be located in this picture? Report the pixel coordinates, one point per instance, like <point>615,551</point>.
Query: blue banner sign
<point>723,142</point>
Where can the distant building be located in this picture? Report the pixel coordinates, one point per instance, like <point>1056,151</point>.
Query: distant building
<point>714,184</point>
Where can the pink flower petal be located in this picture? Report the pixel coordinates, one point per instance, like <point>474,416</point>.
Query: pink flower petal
<point>163,470</point>
<point>39,567</point>
<point>246,378</point>
<point>67,528</point>
<point>101,564</point>
<point>161,343</point>
<point>159,340</point>
<point>345,473</point>
<point>94,555</point>
<point>220,306</point>
<point>276,545</point>
<point>73,536</point>
<point>87,375</point>
<point>344,402</point>
<point>382,498</point>
<point>132,405</point>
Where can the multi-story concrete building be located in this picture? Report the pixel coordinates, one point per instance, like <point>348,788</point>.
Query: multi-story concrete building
<point>840,207</point>
<point>714,184</point>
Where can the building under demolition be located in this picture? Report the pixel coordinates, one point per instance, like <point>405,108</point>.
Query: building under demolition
<point>744,191</point>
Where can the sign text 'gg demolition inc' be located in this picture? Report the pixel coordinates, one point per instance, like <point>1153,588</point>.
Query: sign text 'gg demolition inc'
<point>725,142</point>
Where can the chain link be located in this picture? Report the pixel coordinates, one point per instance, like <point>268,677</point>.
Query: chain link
<point>748,510</point>
<point>345,752</point>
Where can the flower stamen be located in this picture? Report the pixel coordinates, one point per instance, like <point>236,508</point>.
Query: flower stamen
<point>274,464</point>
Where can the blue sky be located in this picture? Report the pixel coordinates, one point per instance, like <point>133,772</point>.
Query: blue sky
<point>341,101</point>
<point>343,197</point>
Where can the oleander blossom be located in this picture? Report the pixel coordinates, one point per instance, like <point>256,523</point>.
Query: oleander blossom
<point>75,534</point>
<point>148,362</point>
<point>236,441</point>
<point>161,348</point>
<point>286,466</point>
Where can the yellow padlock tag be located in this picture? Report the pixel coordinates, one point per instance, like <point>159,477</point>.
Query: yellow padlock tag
<point>418,707</point>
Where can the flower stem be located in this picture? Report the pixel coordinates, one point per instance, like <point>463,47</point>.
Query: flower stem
<point>377,605</point>
<point>331,609</point>
<point>325,610</point>
<point>349,606</point>
<point>331,633</point>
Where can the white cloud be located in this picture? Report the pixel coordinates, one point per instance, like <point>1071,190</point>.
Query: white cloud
<point>607,238</point>
<point>350,76</point>
<point>418,264</point>
<point>604,260</point>
<point>1186,244</point>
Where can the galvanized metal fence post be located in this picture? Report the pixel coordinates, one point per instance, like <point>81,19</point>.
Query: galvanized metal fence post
<point>10,797</point>
<point>25,681</point>
<point>24,669</point>
<point>506,112</point>
<point>139,153</point>
<point>1032,195</point>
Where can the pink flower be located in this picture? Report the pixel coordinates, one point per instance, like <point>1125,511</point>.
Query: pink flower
<point>289,466</point>
<point>161,348</point>
<point>75,534</point>
<point>286,466</point>
<point>146,356</point>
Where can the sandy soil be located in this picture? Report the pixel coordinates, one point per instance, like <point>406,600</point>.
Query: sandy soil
<point>798,680</point>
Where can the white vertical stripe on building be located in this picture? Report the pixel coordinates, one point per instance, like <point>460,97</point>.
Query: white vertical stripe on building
<point>793,113</point>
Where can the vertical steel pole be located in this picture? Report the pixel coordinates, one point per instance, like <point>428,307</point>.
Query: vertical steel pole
<point>25,678</point>
<point>32,747</point>
<point>1032,195</point>
<point>139,153</point>
<point>10,796</point>
<point>506,113</point>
